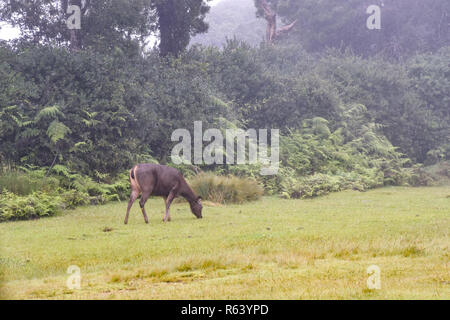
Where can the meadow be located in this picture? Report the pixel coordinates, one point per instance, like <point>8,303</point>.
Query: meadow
<point>268,249</point>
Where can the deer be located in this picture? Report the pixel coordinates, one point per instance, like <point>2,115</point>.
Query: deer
<point>163,181</point>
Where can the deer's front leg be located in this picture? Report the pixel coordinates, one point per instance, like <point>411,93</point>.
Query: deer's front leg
<point>168,201</point>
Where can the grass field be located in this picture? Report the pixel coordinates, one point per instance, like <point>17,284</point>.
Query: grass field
<point>269,249</point>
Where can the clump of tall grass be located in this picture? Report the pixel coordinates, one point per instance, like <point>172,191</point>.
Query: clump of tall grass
<point>25,183</point>
<point>226,189</point>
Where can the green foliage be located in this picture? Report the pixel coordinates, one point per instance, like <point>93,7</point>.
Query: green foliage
<point>394,95</point>
<point>346,122</point>
<point>226,189</point>
<point>407,26</point>
<point>30,193</point>
<point>437,174</point>
<point>86,187</point>
<point>316,161</point>
<point>25,183</point>
<point>178,20</point>
<point>100,123</point>
<point>57,131</point>
<point>317,185</point>
<point>106,24</point>
<point>32,206</point>
<point>57,120</point>
<point>430,77</point>
<point>75,198</point>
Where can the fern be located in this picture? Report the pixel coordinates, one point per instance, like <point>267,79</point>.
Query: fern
<point>61,170</point>
<point>80,147</point>
<point>90,122</point>
<point>217,102</point>
<point>26,123</point>
<point>48,113</point>
<point>57,131</point>
<point>29,133</point>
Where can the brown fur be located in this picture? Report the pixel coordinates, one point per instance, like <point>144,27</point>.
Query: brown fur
<point>163,181</point>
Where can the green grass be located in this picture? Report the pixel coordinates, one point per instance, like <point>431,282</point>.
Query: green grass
<point>268,249</point>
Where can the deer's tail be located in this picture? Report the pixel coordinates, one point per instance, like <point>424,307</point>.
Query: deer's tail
<point>133,179</point>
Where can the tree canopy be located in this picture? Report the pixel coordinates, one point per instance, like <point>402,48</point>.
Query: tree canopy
<point>178,21</point>
<point>106,24</point>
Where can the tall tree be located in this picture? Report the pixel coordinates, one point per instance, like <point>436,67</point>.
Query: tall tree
<point>178,21</point>
<point>104,23</point>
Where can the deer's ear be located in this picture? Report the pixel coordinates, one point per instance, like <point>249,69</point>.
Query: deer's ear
<point>199,199</point>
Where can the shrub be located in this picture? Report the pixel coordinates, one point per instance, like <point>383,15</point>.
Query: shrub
<point>33,206</point>
<point>75,198</point>
<point>437,174</point>
<point>29,194</point>
<point>322,184</point>
<point>316,185</point>
<point>97,193</point>
<point>226,189</point>
<point>25,183</point>
<point>120,190</point>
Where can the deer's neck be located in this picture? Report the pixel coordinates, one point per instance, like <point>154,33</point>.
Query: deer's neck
<point>187,192</point>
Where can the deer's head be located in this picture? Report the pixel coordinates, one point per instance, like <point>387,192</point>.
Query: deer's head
<point>196,207</point>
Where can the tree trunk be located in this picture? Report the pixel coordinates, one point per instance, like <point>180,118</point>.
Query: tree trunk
<point>272,32</point>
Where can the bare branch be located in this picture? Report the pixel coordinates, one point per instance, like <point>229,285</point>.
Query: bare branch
<point>271,17</point>
<point>286,28</point>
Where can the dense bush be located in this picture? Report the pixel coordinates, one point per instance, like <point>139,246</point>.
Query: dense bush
<point>437,174</point>
<point>226,189</point>
<point>53,107</point>
<point>32,206</point>
<point>24,183</point>
<point>346,122</point>
<point>408,100</point>
<point>29,193</point>
<point>280,87</point>
<point>318,159</point>
<point>96,113</point>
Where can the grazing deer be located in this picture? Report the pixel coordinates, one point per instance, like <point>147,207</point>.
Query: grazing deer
<point>163,181</point>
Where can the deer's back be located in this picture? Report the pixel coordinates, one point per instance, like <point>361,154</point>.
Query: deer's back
<point>160,179</point>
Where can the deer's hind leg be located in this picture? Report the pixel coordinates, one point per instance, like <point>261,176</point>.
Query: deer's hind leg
<point>145,196</point>
<point>135,191</point>
<point>134,195</point>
